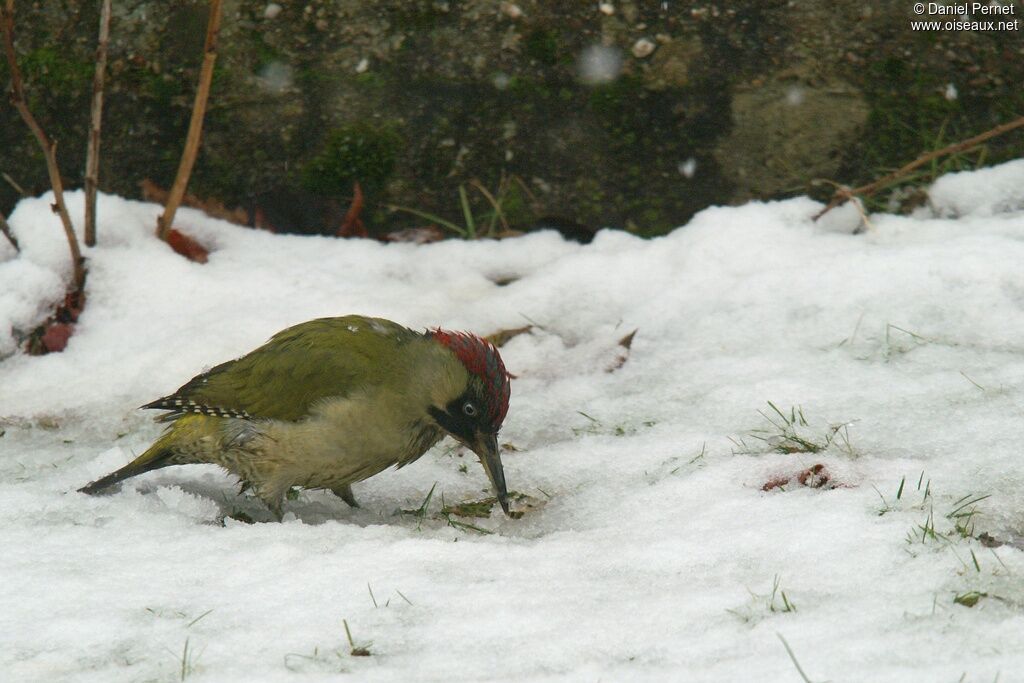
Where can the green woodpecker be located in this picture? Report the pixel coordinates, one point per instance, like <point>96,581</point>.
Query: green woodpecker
<point>333,401</point>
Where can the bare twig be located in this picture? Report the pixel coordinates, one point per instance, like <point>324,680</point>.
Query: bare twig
<point>844,194</point>
<point>13,183</point>
<point>92,159</point>
<point>792,657</point>
<point>49,146</point>
<point>195,126</point>
<point>6,230</point>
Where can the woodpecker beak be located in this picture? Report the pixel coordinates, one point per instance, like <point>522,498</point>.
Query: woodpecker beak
<point>486,448</point>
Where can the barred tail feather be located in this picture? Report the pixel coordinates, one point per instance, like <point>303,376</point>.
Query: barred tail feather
<point>176,446</point>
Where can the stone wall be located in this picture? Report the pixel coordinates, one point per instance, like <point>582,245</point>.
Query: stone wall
<point>628,114</point>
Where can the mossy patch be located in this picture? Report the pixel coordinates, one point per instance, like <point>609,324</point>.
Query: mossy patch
<point>542,45</point>
<point>59,74</point>
<point>356,152</point>
<point>914,111</point>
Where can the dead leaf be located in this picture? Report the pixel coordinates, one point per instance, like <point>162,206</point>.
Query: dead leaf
<point>814,477</point>
<point>625,344</point>
<point>775,483</point>
<point>502,337</point>
<point>74,302</point>
<point>352,224</point>
<point>187,247</point>
<point>989,541</point>
<point>519,504</point>
<point>56,336</point>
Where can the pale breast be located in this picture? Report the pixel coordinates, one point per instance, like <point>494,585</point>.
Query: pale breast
<point>344,442</point>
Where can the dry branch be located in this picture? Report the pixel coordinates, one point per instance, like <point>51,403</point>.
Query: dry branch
<point>844,194</point>
<point>6,230</point>
<point>195,126</point>
<point>49,146</point>
<point>11,181</point>
<point>92,159</point>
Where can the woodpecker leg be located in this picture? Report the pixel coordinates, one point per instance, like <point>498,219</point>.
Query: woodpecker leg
<point>345,493</point>
<point>273,498</point>
<point>275,508</point>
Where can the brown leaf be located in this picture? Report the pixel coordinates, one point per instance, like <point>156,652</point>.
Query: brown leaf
<point>988,540</point>
<point>74,302</point>
<point>502,337</point>
<point>775,483</point>
<point>814,477</point>
<point>352,224</point>
<point>186,246</point>
<point>519,502</point>
<point>56,336</point>
<point>623,355</point>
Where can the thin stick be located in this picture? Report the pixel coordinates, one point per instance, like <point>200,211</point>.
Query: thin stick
<point>6,230</point>
<point>49,146</point>
<point>92,158</point>
<point>792,657</point>
<point>195,126</point>
<point>844,194</point>
<point>11,181</point>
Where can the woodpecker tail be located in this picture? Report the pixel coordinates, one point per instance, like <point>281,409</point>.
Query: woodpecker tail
<point>162,453</point>
<point>152,459</point>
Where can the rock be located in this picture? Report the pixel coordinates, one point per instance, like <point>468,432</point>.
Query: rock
<point>674,63</point>
<point>614,102</point>
<point>643,48</point>
<point>788,132</point>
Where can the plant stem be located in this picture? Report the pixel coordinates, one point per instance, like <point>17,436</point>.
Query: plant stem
<point>49,147</point>
<point>844,194</point>
<point>92,158</point>
<point>6,230</point>
<point>195,126</point>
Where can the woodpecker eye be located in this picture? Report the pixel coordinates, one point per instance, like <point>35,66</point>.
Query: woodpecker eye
<point>469,409</point>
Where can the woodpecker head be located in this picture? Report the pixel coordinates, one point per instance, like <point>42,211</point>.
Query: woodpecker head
<point>475,415</point>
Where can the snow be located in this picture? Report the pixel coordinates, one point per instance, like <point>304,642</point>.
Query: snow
<point>655,550</point>
<point>985,192</point>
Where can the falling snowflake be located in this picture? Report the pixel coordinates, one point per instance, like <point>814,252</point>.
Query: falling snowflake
<point>501,81</point>
<point>275,77</point>
<point>599,64</point>
<point>687,168</point>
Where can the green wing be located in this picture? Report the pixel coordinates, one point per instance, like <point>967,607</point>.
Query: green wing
<point>299,366</point>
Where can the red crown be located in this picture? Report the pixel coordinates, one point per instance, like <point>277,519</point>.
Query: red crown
<point>482,359</point>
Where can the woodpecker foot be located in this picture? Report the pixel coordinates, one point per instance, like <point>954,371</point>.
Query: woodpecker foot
<point>345,493</point>
<point>275,504</point>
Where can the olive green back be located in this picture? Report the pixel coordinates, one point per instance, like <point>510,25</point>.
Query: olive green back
<point>299,366</point>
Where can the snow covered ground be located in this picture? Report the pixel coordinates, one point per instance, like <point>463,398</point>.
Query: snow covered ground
<point>657,550</point>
